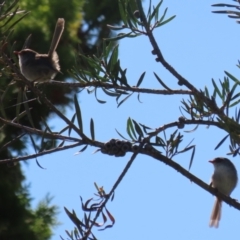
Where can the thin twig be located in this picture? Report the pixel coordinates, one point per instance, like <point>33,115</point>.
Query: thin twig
<point>126,168</point>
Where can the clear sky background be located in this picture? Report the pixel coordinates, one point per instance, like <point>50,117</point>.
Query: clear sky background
<point>153,201</point>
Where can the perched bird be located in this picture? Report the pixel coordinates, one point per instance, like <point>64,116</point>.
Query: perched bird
<point>224,179</point>
<point>41,67</point>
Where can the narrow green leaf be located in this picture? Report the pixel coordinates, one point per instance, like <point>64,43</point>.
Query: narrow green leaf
<point>191,159</point>
<point>107,48</point>
<point>214,94</point>
<point>172,136</point>
<point>137,128</point>
<point>12,5</point>
<point>5,93</point>
<point>123,78</point>
<point>110,93</point>
<point>10,17</point>
<point>72,121</point>
<point>232,77</point>
<point>112,197</point>
<point>226,84</point>
<point>236,95</point>
<point>110,216</point>
<point>159,141</point>
<point>21,115</point>
<point>113,59</point>
<point>27,109</point>
<point>100,101</point>
<point>76,234</point>
<point>48,129</point>
<point>39,164</point>
<point>138,96</point>
<point>78,113</point>
<point>61,144</point>
<point>221,142</point>
<point>149,8</point>
<point>206,92</point>
<point>216,89</point>
<point>145,128</point>
<point>130,129</point>
<point>121,102</point>
<point>19,103</point>
<point>69,234</point>
<point>33,143</point>
<point>164,22</point>
<point>73,218</point>
<point>131,17</point>
<point>115,70</point>
<point>121,6</point>
<point>141,79</point>
<point>92,129</point>
<point>155,12</point>
<point>161,82</point>
<point>229,97</point>
<point>82,150</point>
<point>121,135</point>
<point>118,37</point>
<point>223,90</point>
<point>234,103</point>
<point>163,16</point>
<point>237,114</point>
<point>221,5</point>
<point>19,19</point>
<point>130,23</point>
<point>186,149</point>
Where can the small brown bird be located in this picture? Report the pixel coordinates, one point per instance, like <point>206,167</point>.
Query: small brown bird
<point>41,67</point>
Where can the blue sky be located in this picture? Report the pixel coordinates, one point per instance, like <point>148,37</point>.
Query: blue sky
<point>153,201</point>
